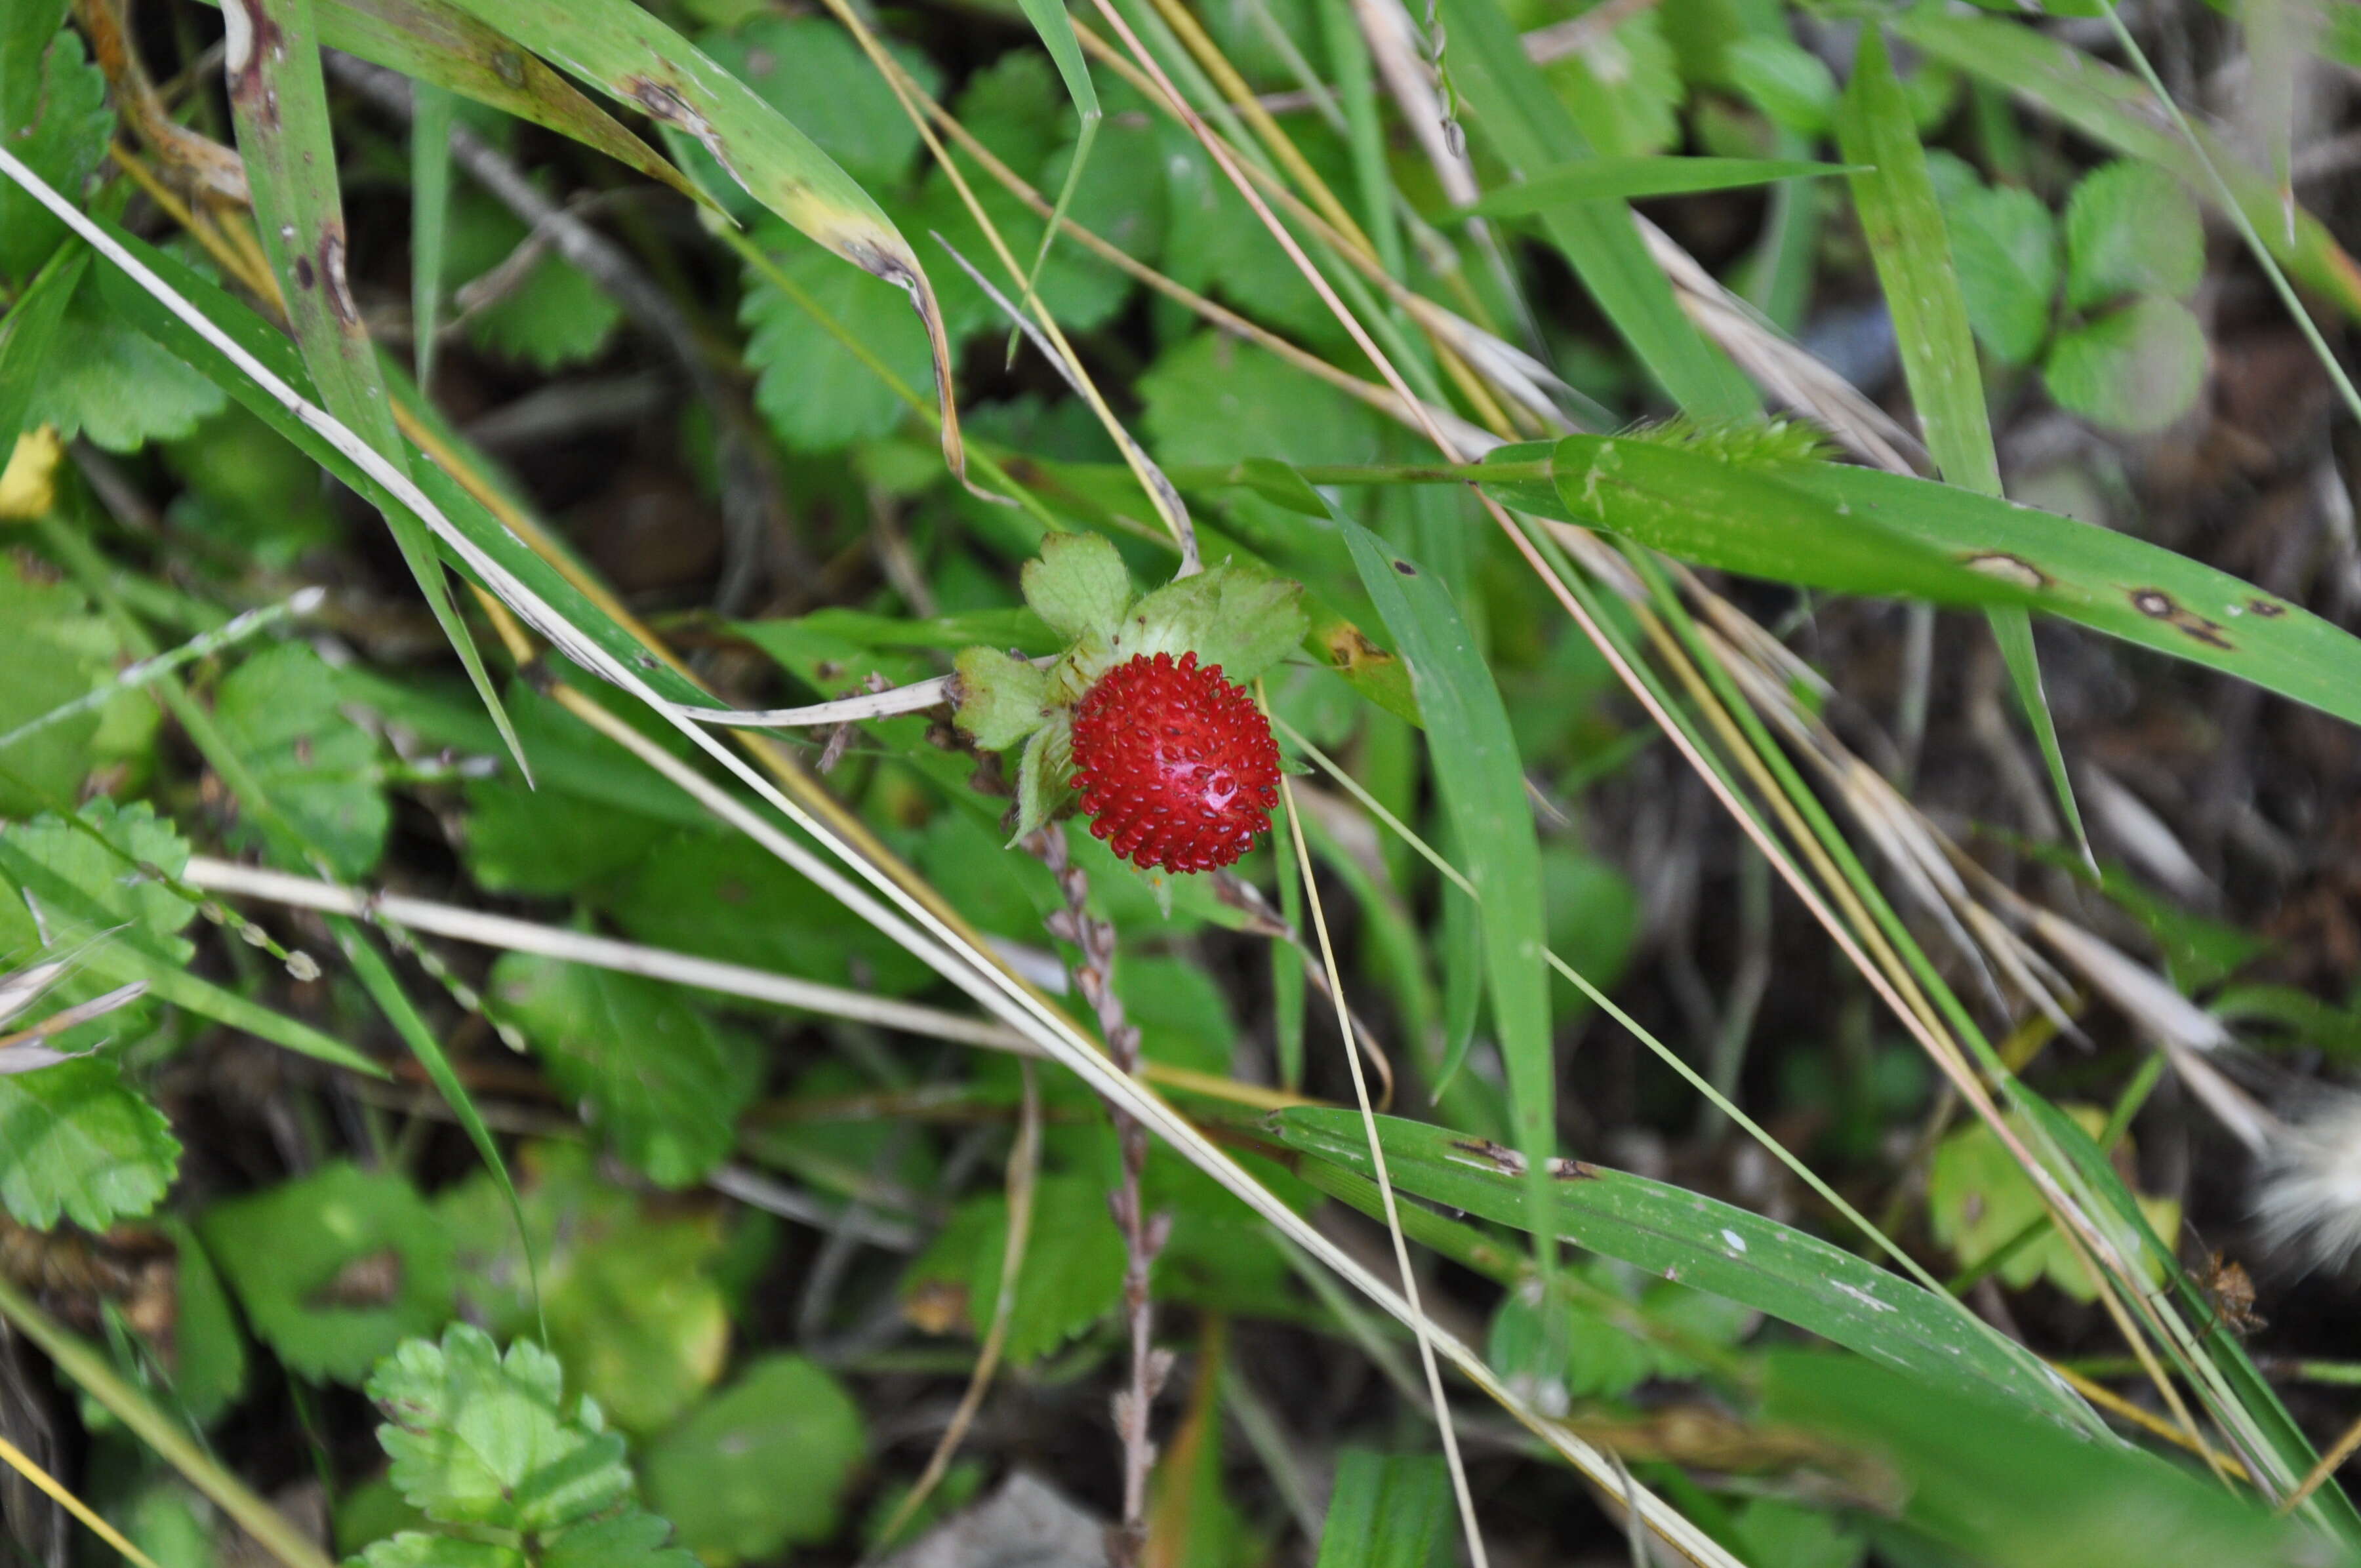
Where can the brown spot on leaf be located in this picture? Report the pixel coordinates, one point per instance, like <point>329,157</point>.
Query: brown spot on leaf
<point>2158,605</point>
<point>2267,609</point>
<point>372,1280</point>
<point>2154,602</point>
<point>305,275</point>
<point>332,268</point>
<point>1507,1161</point>
<point>1348,650</point>
<point>509,66</point>
<point>1405,568</point>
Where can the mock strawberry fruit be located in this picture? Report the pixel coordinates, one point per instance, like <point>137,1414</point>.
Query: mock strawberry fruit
<point>1141,721</point>
<point>1176,767</point>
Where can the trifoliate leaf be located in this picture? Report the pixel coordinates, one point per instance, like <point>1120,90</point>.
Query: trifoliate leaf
<point>53,115</point>
<point>1073,1264</point>
<point>481,1439</point>
<point>119,388</point>
<point>1000,699</point>
<point>80,1144</point>
<point>1624,90</point>
<point>2131,228</point>
<point>2135,369</point>
<point>1079,585</point>
<point>816,395</point>
<point>2004,243</point>
<point>315,767</point>
<point>335,1268</point>
<point>761,1467</point>
<point>656,1074</point>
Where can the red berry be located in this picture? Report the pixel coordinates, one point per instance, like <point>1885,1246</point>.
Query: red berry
<point>1176,765</point>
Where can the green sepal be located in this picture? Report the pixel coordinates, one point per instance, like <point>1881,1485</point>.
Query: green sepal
<point>1001,699</point>
<point>1239,618</point>
<point>1079,586</point>
<point>1042,775</point>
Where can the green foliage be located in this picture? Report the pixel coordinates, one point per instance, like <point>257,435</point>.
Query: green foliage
<point>2131,229</point>
<point>1001,699</point>
<point>115,386</point>
<point>547,315</point>
<point>1569,1345</point>
<point>1077,585</point>
<point>55,653</point>
<point>316,766</point>
<point>1793,87</point>
<point>818,395</point>
<point>1387,1511</point>
<point>1071,1277</point>
<point>2135,369</point>
<point>101,903</point>
<point>81,1145</point>
<point>487,1441</point>
<point>53,115</point>
<point>1980,1202</point>
<point>761,1465</point>
<point>656,1075</point>
<point>335,1268</point>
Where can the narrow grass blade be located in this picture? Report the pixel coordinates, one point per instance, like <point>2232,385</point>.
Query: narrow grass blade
<point>1912,250</point>
<point>271,56</point>
<point>630,54</point>
<point>1387,1511</point>
<point>377,977</point>
<point>1630,179</point>
<point>1532,131</point>
<point>430,215</point>
<point>1482,782</point>
<point>1057,31</point>
<point>1710,1245</point>
<point>2114,109</point>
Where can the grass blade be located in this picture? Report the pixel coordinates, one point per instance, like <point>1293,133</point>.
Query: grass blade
<point>272,55</point>
<point>1711,1246</point>
<point>27,335</point>
<point>1482,782</point>
<point>628,53</point>
<point>1912,248</point>
<point>430,213</point>
<point>1057,31</point>
<point>1629,179</point>
<point>1534,132</point>
<point>1387,1511</point>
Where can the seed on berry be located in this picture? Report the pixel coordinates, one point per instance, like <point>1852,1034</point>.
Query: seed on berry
<point>1176,766</point>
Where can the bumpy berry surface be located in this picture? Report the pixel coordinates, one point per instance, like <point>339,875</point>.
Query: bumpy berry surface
<point>1176,766</point>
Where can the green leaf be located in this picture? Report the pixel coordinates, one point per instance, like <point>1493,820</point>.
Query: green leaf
<point>29,338</point>
<point>2135,369</point>
<point>2004,243</point>
<point>1234,617</point>
<point>762,1465</point>
<point>417,1549</point>
<point>551,317</point>
<point>1079,586</point>
<point>2000,1488</point>
<point>628,1540</point>
<point>53,115</point>
<point>1623,88</point>
<point>1593,179</point>
<point>1978,1200</point>
<point>1386,1511</point>
<point>335,1268</point>
<point>1073,1264</point>
<point>2131,228</point>
<point>55,653</point>
<point>1793,87</point>
<point>816,395</point>
<point>1481,780</point>
<point>1707,1246</point>
<point>1210,398</point>
<point>810,70</point>
<point>81,1145</point>
<point>639,1321</point>
<point>1042,773</point>
<point>1689,504</point>
<point>1782,1534</point>
<point>1913,252</point>
<point>208,1348</point>
<point>481,1439</point>
<point>319,768</point>
<point>117,388</point>
<point>657,1076</point>
<point>1532,130</point>
<point>430,216</point>
<point>547,841</point>
<point>1000,699</point>
<point>2114,109</point>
